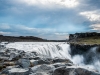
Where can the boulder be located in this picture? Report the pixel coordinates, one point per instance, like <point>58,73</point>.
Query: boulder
<point>24,63</point>
<point>73,71</point>
<point>34,62</point>
<point>12,55</point>
<point>43,68</point>
<point>1,53</point>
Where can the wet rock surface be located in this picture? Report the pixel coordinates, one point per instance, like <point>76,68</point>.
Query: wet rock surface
<point>18,62</point>
<point>73,71</point>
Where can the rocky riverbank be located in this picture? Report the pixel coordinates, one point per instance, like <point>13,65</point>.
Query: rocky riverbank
<point>19,62</point>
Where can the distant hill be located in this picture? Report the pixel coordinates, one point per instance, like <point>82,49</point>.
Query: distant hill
<point>25,39</point>
<point>20,38</point>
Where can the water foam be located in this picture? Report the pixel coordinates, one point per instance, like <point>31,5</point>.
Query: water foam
<point>59,50</point>
<point>51,50</point>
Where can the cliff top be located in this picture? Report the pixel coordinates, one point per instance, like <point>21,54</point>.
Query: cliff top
<point>85,38</point>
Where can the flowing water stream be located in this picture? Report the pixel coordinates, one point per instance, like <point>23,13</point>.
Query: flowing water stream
<point>90,59</point>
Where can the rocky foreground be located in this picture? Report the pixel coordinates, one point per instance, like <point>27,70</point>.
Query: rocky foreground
<point>18,62</point>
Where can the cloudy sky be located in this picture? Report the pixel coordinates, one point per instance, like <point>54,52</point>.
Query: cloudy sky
<point>49,19</point>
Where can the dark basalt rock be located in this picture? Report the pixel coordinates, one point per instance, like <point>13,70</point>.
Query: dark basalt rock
<point>69,64</point>
<point>81,49</point>
<point>89,52</point>
<point>83,35</point>
<point>36,58</point>
<point>59,71</point>
<point>56,60</point>
<point>73,71</point>
<point>44,62</point>
<point>98,49</point>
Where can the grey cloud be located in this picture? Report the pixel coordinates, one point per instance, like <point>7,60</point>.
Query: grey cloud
<point>4,26</point>
<point>95,27</point>
<point>5,33</point>
<point>43,21</point>
<point>45,18</point>
<point>20,30</point>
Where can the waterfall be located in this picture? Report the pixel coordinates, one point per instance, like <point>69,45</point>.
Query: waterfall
<point>51,50</point>
<point>90,59</point>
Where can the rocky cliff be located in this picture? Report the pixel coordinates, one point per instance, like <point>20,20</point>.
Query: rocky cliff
<point>84,35</point>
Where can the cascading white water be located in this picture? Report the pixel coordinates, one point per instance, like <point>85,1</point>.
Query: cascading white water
<point>92,57</point>
<point>56,49</point>
<point>50,50</point>
<point>78,59</point>
<point>95,55</point>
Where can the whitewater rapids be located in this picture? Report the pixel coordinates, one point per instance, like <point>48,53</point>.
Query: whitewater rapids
<point>46,49</point>
<point>56,50</point>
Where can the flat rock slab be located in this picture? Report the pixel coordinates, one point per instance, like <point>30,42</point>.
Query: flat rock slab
<point>40,73</point>
<point>15,71</point>
<point>18,71</point>
<point>43,68</point>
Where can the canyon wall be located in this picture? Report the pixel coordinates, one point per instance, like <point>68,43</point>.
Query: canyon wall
<point>84,35</point>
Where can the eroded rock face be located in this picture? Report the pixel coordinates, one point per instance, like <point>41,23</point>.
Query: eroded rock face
<point>73,71</point>
<point>83,35</point>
